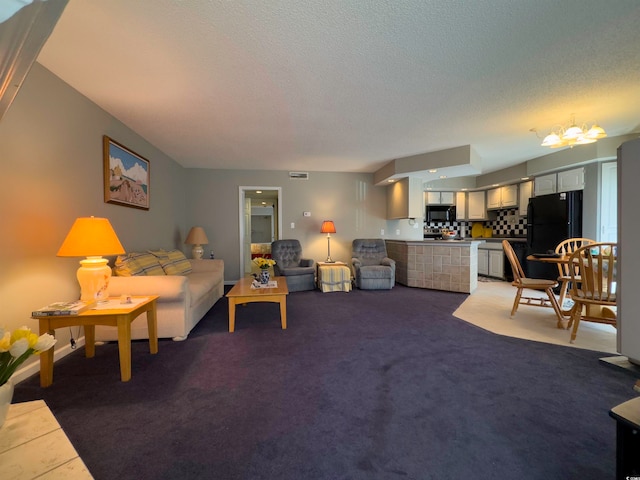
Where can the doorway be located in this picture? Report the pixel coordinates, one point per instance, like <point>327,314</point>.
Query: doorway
<point>260,222</point>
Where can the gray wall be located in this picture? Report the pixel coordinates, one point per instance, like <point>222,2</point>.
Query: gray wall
<point>51,154</point>
<point>349,199</point>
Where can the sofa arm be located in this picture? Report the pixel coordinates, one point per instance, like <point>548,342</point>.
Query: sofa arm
<point>168,287</point>
<point>206,265</point>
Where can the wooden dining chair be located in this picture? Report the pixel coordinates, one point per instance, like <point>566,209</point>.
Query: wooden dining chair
<point>521,282</point>
<point>567,247</point>
<point>594,292</point>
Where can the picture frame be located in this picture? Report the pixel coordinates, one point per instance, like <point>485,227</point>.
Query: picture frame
<point>126,176</point>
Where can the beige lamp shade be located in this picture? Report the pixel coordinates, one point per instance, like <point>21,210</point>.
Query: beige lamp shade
<point>197,238</point>
<point>92,237</point>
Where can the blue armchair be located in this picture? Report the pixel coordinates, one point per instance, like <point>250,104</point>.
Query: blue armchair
<point>299,272</point>
<point>372,269</point>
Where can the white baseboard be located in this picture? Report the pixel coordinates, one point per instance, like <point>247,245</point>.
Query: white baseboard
<point>33,368</point>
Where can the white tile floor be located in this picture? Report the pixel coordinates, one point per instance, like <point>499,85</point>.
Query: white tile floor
<point>489,307</point>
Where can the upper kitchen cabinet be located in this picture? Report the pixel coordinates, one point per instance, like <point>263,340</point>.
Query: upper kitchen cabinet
<point>524,192</point>
<point>544,185</point>
<point>502,197</point>
<point>571,180</point>
<point>477,206</point>
<point>559,182</point>
<point>461,206</point>
<point>440,198</point>
<point>404,199</point>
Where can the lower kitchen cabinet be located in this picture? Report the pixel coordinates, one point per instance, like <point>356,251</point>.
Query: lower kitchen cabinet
<point>496,263</point>
<point>491,260</point>
<point>483,262</point>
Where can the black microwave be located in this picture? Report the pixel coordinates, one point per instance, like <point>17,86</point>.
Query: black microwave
<point>441,213</point>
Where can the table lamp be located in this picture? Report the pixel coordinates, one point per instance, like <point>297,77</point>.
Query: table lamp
<point>92,237</point>
<point>328,227</point>
<point>197,238</point>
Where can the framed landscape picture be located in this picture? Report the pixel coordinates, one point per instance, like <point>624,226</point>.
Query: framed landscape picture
<point>126,176</point>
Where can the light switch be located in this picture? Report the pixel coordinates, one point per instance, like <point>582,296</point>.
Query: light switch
<point>293,225</point>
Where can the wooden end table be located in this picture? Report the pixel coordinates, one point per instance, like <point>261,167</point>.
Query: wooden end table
<point>119,315</point>
<point>242,293</point>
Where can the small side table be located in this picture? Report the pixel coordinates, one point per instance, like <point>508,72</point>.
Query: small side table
<point>334,277</point>
<point>116,315</point>
<point>627,417</point>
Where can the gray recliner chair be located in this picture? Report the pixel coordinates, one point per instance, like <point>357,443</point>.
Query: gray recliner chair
<point>372,269</point>
<point>299,272</point>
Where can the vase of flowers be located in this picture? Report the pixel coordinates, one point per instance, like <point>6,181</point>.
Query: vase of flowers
<point>264,264</point>
<point>15,348</point>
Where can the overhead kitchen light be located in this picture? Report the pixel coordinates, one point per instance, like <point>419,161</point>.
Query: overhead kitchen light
<point>572,135</point>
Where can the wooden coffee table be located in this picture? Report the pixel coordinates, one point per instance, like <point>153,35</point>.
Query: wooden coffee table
<point>242,293</point>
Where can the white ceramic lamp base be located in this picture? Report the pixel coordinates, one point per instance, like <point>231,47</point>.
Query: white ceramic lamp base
<point>197,252</point>
<point>93,277</point>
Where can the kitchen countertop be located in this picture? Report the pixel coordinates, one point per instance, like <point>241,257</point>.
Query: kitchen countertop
<point>499,239</point>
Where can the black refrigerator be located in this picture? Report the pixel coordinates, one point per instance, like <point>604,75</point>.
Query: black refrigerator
<point>550,220</point>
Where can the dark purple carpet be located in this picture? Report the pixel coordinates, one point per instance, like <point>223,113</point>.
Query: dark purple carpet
<point>364,385</point>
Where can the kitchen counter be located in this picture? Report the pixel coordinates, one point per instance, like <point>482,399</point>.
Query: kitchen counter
<point>450,265</point>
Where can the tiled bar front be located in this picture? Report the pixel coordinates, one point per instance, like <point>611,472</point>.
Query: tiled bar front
<point>439,265</point>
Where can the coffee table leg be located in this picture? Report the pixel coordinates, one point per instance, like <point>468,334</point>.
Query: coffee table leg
<point>124,347</point>
<point>283,312</point>
<point>232,315</point>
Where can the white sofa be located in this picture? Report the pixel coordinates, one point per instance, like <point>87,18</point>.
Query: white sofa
<point>184,299</point>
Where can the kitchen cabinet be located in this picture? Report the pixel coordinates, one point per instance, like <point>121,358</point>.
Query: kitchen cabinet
<point>524,194</point>
<point>477,206</point>
<point>496,263</point>
<point>404,199</point>
<point>566,181</point>
<point>545,184</point>
<point>483,262</point>
<point>502,197</point>
<point>570,180</point>
<point>440,198</point>
<point>461,206</point>
<point>491,260</point>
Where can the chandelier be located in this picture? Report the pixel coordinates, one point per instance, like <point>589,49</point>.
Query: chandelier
<point>572,135</point>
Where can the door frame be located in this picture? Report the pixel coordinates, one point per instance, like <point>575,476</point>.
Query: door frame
<point>242,221</point>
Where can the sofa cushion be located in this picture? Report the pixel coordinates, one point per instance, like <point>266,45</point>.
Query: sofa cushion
<point>175,263</point>
<point>135,263</point>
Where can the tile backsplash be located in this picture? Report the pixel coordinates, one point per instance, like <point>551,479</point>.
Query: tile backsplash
<point>500,225</point>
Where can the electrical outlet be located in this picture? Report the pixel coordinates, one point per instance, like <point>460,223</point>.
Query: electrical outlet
<point>397,231</point>
<point>512,219</point>
<point>293,225</point>
<point>382,232</point>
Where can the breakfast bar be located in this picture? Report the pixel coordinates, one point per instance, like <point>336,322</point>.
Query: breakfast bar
<point>450,265</point>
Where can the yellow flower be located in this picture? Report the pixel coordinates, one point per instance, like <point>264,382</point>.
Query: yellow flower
<point>16,347</point>
<point>264,263</point>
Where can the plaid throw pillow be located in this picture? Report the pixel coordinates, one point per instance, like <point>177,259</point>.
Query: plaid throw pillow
<point>175,263</point>
<point>134,264</point>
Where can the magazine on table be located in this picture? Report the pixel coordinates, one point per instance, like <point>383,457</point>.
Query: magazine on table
<point>63,308</point>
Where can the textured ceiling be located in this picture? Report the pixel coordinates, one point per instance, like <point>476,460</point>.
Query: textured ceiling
<point>347,85</point>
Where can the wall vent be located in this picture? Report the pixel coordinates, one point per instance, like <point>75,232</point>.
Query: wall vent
<point>299,175</point>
